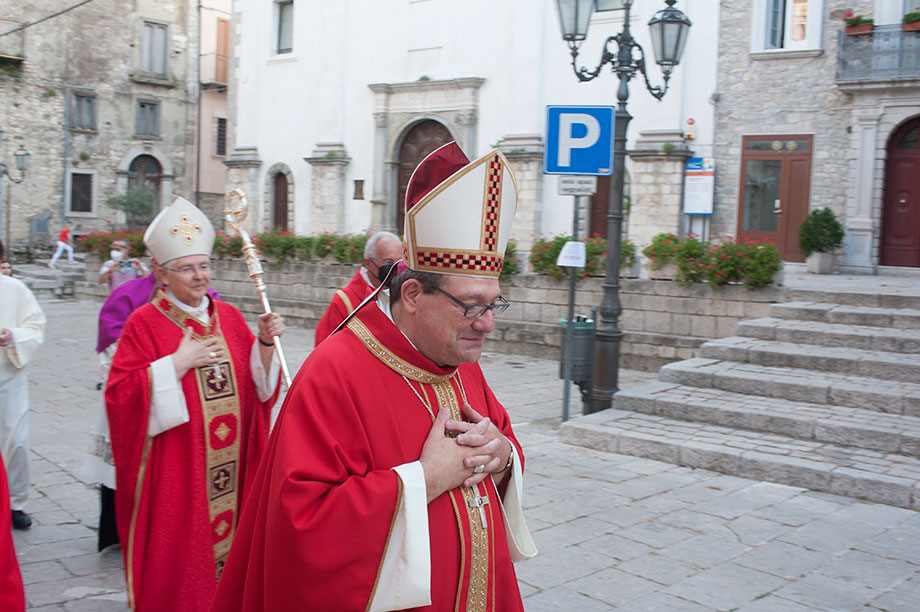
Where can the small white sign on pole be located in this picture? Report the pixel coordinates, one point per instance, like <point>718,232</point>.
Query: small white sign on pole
<point>572,255</point>
<point>577,185</point>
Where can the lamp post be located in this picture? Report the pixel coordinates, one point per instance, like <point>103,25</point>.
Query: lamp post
<point>21,159</point>
<point>669,28</point>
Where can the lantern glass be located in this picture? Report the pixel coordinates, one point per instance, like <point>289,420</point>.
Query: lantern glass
<point>21,156</point>
<point>574,16</point>
<point>669,29</point>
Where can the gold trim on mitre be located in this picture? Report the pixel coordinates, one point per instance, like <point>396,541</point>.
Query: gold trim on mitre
<point>447,233</point>
<point>179,230</point>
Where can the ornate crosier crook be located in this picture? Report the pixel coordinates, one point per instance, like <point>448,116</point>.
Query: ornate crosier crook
<point>235,211</point>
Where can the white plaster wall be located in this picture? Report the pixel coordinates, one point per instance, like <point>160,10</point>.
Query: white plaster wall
<point>319,92</point>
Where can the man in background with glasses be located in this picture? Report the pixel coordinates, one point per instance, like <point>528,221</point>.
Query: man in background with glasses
<point>381,251</point>
<point>393,479</point>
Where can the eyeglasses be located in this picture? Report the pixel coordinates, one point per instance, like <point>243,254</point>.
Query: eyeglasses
<point>189,271</point>
<point>474,311</point>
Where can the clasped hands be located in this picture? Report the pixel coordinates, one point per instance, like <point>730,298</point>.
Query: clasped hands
<point>451,462</point>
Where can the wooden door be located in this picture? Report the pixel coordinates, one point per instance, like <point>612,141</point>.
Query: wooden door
<point>280,202</point>
<point>775,184</point>
<point>422,139</point>
<point>900,244</point>
<point>222,57</point>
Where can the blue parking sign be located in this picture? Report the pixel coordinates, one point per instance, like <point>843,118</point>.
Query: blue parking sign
<point>579,140</point>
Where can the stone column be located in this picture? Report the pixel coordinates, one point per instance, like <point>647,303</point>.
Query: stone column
<point>327,186</point>
<point>380,214</point>
<point>657,184</point>
<point>467,119</point>
<point>243,173</point>
<point>525,154</point>
<point>858,244</point>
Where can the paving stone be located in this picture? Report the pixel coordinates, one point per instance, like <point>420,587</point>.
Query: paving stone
<point>664,568</point>
<point>905,596</point>
<point>772,603</point>
<point>554,600</point>
<point>833,536</point>
<point>614,587</point>
<point>869,571</point>
<point>656,535</point>
<point>616,547</point>
<point>786,560</point>
<point>660,602</point>
<point>755,531</point>
<point>705,551</point>
<point>819,590</point>
<point>556,568</point>
<point>726,586</point>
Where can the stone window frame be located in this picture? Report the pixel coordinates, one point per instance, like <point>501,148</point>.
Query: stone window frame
<point>155,106</point>
<point>94,191</point>
<point>268,188</point>
<point>810,46</point>
<point>77,99</point>
<point>145,61</point>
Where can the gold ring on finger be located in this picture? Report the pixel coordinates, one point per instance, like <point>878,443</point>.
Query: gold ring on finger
<point>479,469</point>
<point>213,355</point>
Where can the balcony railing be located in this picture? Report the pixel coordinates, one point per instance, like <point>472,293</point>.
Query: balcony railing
<point>888,53</point>
<point>214,69</point>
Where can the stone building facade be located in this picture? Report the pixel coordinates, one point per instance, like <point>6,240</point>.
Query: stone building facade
<point>103,97</point>
<point>333,104</point>
<point>805,116</point>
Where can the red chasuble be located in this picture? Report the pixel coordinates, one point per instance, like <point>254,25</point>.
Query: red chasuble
<point>179,492</point>
<point>12,597</point>
<point>314,533</point>
<point>343,303</point>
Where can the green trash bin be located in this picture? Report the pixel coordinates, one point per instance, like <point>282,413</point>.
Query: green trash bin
<point>582,349</point>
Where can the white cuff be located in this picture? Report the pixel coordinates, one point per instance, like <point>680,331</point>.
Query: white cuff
<point>405,574</point>
<point>167,401</point>
<point>520,544</point>
<point>265,384</point>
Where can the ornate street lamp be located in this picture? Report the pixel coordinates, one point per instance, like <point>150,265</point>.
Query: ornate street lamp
<point>21,159</point>
<point>669,28</point>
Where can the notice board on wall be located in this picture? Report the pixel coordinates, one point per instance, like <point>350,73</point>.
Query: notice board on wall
<point>699,182</point>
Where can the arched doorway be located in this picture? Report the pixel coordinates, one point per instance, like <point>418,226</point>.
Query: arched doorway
<point>900,244</point>
<point>280,201</point>
<point>145,171</point>
<point>423,138</point>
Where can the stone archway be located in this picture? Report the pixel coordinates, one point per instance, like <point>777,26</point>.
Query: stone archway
<point>148,153</point>
<point>279,197</point>
<point>420,140</point>
<point>900,239</point>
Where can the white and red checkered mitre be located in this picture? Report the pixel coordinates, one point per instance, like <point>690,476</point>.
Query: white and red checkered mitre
<point>459,213</point>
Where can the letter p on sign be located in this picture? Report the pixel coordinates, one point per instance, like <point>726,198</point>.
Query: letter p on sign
<point>579,140</point>
<point>567,138</point>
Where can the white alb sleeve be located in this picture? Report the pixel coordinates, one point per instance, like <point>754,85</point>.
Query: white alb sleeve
<point>405,573</point>
<point>265,383</point>
<point>520,544</point>
<point>167,401</point>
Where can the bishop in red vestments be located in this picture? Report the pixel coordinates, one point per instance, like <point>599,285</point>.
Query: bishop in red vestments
<point>382,250</point>
<point>393,478</point>
<point>12,596</point>
<point>188,398</point>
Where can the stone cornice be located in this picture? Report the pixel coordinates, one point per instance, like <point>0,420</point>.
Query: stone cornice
<point>440,85</point>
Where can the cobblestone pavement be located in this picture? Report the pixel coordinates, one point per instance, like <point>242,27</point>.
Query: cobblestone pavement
<point>615,532</point>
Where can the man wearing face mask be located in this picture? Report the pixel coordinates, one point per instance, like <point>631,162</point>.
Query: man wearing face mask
<point>380,252</point>
<point>120,268</point>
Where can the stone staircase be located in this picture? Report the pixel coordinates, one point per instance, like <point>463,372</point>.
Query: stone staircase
<point>823,395</point>
<point>48,282</point>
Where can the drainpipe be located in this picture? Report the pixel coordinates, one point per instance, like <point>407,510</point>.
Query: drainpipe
<point>66,156</point>
<point>198,110</point>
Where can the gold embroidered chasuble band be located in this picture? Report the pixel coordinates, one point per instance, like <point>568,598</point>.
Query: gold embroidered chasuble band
<point>220,412</point>
<point>467,501</point>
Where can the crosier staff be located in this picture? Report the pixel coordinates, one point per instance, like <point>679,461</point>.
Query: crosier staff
<point>235,211</point>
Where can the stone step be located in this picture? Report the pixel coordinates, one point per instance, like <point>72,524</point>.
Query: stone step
<point>858,362</point>
<point>890,433</point>
<point>897,318</point>
<point>880,297</point>
<point>794,384</point>
<point>842,470</point>
<point>832,334</point>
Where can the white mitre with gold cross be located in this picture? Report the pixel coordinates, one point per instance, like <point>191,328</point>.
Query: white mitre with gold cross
<point>179,230</point>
